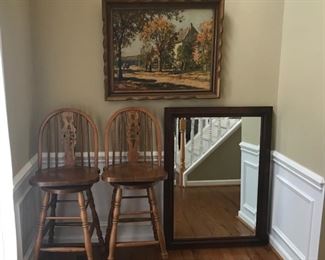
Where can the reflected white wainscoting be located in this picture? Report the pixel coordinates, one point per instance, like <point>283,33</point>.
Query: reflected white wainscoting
<point>297,205</point>
<point>249,182</point>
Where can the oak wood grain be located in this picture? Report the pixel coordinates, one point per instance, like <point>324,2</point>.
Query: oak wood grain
<point>141,172</point>
<point>65,176</point>
<point>152,252</point>
<point>208,212</point>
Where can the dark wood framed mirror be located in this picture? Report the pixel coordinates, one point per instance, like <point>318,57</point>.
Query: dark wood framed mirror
<point>218,164</point>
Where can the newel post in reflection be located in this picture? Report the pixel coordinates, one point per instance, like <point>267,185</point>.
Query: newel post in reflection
<point>182,131</point>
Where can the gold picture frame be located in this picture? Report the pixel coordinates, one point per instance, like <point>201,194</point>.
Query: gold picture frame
<point>162,49</point>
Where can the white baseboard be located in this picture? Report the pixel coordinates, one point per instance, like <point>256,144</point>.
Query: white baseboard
<point>247,219</point>
<point>227,182</point>
<point>278,248</point>
<point>297,205</point>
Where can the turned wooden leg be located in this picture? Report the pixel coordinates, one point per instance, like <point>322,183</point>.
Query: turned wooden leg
<point>84,220</point>
<point>156,223</point>
<point>54,198</point>
<point>152,217</point>
<point>95,217</point>
<point>116,214</point>
<point>110,219</point>
<point>44,207</point>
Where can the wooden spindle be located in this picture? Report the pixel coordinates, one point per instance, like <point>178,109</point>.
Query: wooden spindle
<point>113,141</point>
<point>145,138</point>
<point>120,124</point>
<point>182,129</point>
<point>56,142</point>
<point>176,145</point>
<point>151,140</point>
<point>177,132</point>
<point>82,140</point>
<point>49,145</point>
<point>88,145</point>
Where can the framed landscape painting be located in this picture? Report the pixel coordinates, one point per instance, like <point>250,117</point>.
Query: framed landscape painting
<point>162,49</point>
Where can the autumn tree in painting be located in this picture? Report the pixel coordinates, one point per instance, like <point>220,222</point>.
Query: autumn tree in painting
<point>203,50</point>
<point>126,25</point>
<point>147,53</point>
<point>162,34</point>
<point>124,32</point>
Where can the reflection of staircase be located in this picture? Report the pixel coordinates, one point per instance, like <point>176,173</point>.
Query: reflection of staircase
<point>198,137</point>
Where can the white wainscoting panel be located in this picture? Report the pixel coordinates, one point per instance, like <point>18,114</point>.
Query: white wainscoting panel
<point>249,182</point>
<point>297,205</point>
<point>27,205</point>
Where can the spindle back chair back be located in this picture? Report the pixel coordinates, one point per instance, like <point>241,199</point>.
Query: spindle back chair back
<point>68,137</point>
<point>132,135</point>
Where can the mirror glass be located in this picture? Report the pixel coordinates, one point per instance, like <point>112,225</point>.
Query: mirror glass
<point>216,166</point>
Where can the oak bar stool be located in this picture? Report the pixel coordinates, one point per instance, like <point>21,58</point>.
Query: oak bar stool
<point>133,161</point>
<point>67,164</point>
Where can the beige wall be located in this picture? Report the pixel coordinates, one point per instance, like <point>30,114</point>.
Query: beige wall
<point>223,163</point>
<point>67,51</point>
<point>69,64</point>
<point>251,130</point>
<point>300,131</point>
<point>300,126</point>
<point>18,73</point>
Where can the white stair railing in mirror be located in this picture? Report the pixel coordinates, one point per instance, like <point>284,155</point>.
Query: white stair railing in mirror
<point>197,138</point>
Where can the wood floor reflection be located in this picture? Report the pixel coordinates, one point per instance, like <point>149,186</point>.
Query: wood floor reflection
<point>208,212</point>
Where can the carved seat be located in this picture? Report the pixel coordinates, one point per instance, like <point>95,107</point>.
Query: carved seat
<point>67,164</point>
<point>133,161</point>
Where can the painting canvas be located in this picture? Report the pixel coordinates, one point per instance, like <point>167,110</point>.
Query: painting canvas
<point>161,51</point>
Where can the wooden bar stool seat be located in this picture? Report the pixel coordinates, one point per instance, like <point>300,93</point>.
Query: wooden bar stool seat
<point>65,177</point>
<point>67,165</point>
<point>133,161</point>
<point>133,174</point>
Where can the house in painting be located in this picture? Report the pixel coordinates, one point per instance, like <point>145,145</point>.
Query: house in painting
<point>184,48</point>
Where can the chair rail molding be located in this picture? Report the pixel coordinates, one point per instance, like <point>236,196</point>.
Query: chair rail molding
<point>297,206</point>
